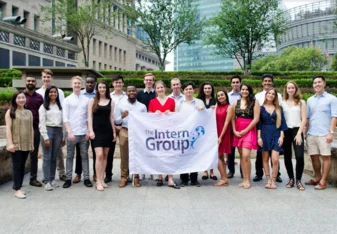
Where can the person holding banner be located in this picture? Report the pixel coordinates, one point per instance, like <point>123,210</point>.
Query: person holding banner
<point>206,94</point>
<point>162,104</point>
<point>247,113</point>
<point>189,104</point>
<point>101,129</point>
<point>122,116</point>
<point>223,121</point>
<point>271,129</point>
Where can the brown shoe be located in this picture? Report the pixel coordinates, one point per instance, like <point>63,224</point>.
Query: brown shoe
<point>94,177</point>
<point>123,183</point>
<point>136,182</point>
<point>77,179</point>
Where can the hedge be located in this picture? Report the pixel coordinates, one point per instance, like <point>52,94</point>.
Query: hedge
<point>6,95</point>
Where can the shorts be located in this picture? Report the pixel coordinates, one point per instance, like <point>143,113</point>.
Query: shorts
<point>317,146</point>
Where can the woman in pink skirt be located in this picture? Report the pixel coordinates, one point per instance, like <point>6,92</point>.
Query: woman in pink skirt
<point>247,113</point>
<point>223,122</point>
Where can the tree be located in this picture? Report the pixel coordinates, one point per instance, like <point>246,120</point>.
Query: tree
<point>84,21</point>
<point>292,59</point>
<point>166,23</point>
<point>242,27</point>
<point>333,63</point>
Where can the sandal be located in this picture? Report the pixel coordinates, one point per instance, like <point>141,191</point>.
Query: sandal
<point>99,187</point>
<point>312,182</point>
<point>290,183</point>
<point>242,184</point>
<point>247,185</point>
<point>159,183</point>
<point>268,184</point>
<point>320,186</point>
<point>222,183</point>
<point>299,185</point>
<point>273,184</point>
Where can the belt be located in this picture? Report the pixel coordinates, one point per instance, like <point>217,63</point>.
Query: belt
<point>125,128</point>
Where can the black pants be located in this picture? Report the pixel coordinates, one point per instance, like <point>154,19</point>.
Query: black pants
<point>193,177</point>
<point>289,137</point>
<point>259,164</point>
<point>231,161</point>
<point>78,167</point>
<point>34,154</point>
<point>19,159</point>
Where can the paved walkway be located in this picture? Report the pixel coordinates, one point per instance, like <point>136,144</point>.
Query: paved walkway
<point>150,209</point>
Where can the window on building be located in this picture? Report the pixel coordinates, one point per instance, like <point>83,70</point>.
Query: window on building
<point>105,50</point>
<point>104,66</point>
<point>110,67</point>
<point>26,16</point>
<point>99,66</point>
<point>94,44</point>
<point>94,64</point>
<point>15,11</point>
<point>99,48</point>
<point>110,53</point>
<point>115,54</point>
<point>120,56</point>
<point>124,57</point>
<point>2,10</point>
<point>115,68</point>
<point>36,23</point>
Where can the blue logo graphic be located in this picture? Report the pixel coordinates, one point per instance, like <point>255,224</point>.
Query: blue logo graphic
<point>195,135</point>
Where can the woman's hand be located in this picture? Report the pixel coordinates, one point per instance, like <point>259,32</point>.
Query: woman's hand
<point>158,111</point>
<point>63,143</point>
<point>237,134</point>
<point>260,142</point>
<point>167,111</point>
<point>47,144</point>
<point>298,139</point>
<point>213,107</point>
<point>280,141</point>
<point>11,148</point>
<point>243,132</point>
<point>92,135</point>
<point>114,138</point>
<point>219,140</point>
<point>200,108</point>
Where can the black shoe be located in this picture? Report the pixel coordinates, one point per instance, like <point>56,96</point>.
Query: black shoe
<point>230,175</point>
<point>159,183</point>
<point>278,179</point>
<point>107,179</point>
<point>63,177</point>
<point>43,181</point>
<point>67,184</point>
<point>129,180</point>
<point>196,183</point>
<point>87,183</point>
<point>35,183</point>
<point>174,185</point>
<point>166,178</point>
<point>183,183</point>
<point>204,177</point>
<point>257,178</point>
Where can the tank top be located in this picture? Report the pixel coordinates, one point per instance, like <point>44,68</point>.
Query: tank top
<point>292,115</point>
<point>247,113</point>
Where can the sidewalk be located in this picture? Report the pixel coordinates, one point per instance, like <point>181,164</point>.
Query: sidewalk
<point>151,209</point>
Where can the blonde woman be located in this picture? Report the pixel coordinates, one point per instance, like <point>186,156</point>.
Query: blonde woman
<point>271,129</point>
<point>295,113</point>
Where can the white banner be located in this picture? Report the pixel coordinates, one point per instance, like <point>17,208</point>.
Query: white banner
<point>172,143</point>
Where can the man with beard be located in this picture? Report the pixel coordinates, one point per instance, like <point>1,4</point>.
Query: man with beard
<point>47,77</point>
<point>121,118</point>
<point>33,103</point>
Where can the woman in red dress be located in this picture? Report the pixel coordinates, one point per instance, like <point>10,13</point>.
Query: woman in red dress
<point>223,122</point>
<point>162,103</point>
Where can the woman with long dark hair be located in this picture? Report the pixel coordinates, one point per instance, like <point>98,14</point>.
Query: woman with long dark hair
<point>224,113</point>
<point>101,129</point>
<point>247,113</point>
<point>207,95</point>
<point>20,138</point>
<point>295,113</point>
<point>51,129</point>
<point>271,129</point>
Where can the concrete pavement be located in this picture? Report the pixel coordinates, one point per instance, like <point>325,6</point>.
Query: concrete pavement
<point>152,209</point>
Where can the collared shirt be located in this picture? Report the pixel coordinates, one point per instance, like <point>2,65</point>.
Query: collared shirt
<point>145,97</point>
<point>175,98</point>
<point>88,95</point>
<point>118,98</point>
<point>233,97</point>
<point>262,95</point>
<point>42,91</point>
<point>187,106</point>
<point>75,112</point>
<point>320,110</point>
<point>49,118</point>
<point>33,103</point>
<point>126,105</point>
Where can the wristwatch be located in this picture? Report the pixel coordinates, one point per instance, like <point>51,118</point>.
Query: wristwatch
<point>331,132</point>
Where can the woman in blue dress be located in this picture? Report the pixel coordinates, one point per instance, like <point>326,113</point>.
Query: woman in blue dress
<point>270,134</point>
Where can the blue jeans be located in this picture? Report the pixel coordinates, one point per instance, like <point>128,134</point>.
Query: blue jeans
<point>50,155</point>
<point>71,145</point>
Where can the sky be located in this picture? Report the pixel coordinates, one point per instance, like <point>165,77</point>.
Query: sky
<point>289,4</point>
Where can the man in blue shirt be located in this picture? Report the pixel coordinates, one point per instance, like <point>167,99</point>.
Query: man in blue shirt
<point>321,123</point>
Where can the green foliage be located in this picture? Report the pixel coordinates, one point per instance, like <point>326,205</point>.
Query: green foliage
<point>244,26</point>
<point>6,95</point>
<point>333,63</point>
<point>292,59</point>
<point>166,24</point>
<point>85,20</point>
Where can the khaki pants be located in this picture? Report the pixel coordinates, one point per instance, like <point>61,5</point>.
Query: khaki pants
<point>124,150</point>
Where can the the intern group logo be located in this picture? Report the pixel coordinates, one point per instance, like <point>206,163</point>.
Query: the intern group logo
<point>169,140</point>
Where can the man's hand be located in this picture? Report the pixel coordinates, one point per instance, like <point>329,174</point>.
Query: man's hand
<point>124,114</point>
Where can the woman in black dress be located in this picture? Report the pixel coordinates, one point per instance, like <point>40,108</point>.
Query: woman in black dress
<point>101,128</point>
<point>206,94</point>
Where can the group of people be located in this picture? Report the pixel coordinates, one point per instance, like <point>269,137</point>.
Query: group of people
<point>265,122</point>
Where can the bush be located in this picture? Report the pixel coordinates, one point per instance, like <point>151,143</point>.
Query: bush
<point>6,95</point>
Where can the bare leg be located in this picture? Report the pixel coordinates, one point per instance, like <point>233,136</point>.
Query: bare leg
<point>170,179</point>
<point>99,168</point>
<point>243,166</point>
<point>275,159</point>
<point>247,166</point>
<point>326,168</point>
<point>316,164</point>
<point>104,162</point>
<point>265,157</point>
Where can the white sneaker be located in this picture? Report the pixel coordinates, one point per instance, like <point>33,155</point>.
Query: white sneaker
<point>141,177</point>
<point>48,187</point>
<point>53,183</point>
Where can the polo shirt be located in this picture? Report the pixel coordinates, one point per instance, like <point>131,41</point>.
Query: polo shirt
<point>33,103</point>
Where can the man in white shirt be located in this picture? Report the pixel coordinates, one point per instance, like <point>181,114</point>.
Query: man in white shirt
<point>75,116</point>
<point>89,92</point>
<point>121,113</point>
<point>267,83</point>
<point>176,86</point>
<point>47,79</point>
